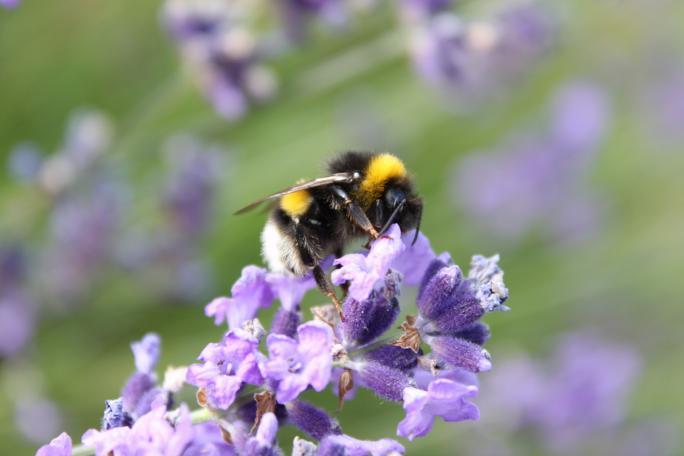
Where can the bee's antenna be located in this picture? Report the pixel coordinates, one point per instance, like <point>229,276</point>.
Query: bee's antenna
<point>420,217</point>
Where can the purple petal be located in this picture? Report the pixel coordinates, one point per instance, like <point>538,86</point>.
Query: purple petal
<point>250,293</point>
<point>290,290</point>
<point>342,444</point>
<point>137,386</point>
<point>363,272</point>
<point>221,393</point>
<point>444,398</point>
<point>415,259</point>
<point>59,446</point>
<point>146,353</point>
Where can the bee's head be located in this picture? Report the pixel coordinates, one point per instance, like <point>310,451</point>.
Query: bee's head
<point>399,204</point>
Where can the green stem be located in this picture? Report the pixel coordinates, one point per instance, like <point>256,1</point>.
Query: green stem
<point>82,450</point>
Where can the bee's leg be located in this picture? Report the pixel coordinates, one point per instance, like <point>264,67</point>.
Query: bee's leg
<point>345,286</point>
<point>356,213</point>
<point>319,275</point>
<point>326,287</point>
<point>378,213</point>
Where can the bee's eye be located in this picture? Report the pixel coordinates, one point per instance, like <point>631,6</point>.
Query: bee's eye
<point>394,197</point>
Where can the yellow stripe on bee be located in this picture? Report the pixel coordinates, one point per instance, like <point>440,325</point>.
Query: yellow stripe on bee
<point>380,170</point>
<point>296,204</point>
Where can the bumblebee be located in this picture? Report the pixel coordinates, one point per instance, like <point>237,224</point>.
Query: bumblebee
<point>361,197</point>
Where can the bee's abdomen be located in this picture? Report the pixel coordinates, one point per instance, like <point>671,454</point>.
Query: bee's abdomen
<point>279,250</point>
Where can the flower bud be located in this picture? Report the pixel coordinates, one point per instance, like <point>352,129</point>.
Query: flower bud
<point>285,322</point>
<point>384,381</point>
<point>392,356</point>
<point>460,353</point>
<point>312,420</point>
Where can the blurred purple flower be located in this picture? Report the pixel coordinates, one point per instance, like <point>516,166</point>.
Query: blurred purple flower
<point>296,364</point>
<point>535,179</point>
<point>444,398</point>
<point>10,3</point>
<point>471,59</point>
<point>37,418</point>
<point>25,162</point>
<point>190,184</point>
<point>250,293</point>
<point>59,446</point>
<point>295,15</point>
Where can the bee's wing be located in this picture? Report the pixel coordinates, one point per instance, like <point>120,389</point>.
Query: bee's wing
<point>337,178</point>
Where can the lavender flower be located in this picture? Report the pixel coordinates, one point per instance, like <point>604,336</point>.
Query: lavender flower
<point>296,364</point>
<point>59,446</point>
<point>444,398</point>
<point>436,383</point>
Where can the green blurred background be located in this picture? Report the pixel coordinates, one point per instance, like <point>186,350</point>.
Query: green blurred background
<point>115,57</point>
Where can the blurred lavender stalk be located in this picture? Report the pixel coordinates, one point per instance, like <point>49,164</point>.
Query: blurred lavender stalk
<point>662,103</point>
<point>221,51</point>
<point>17,309</point>
<point>539,178</point>
<point>168,257</point>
